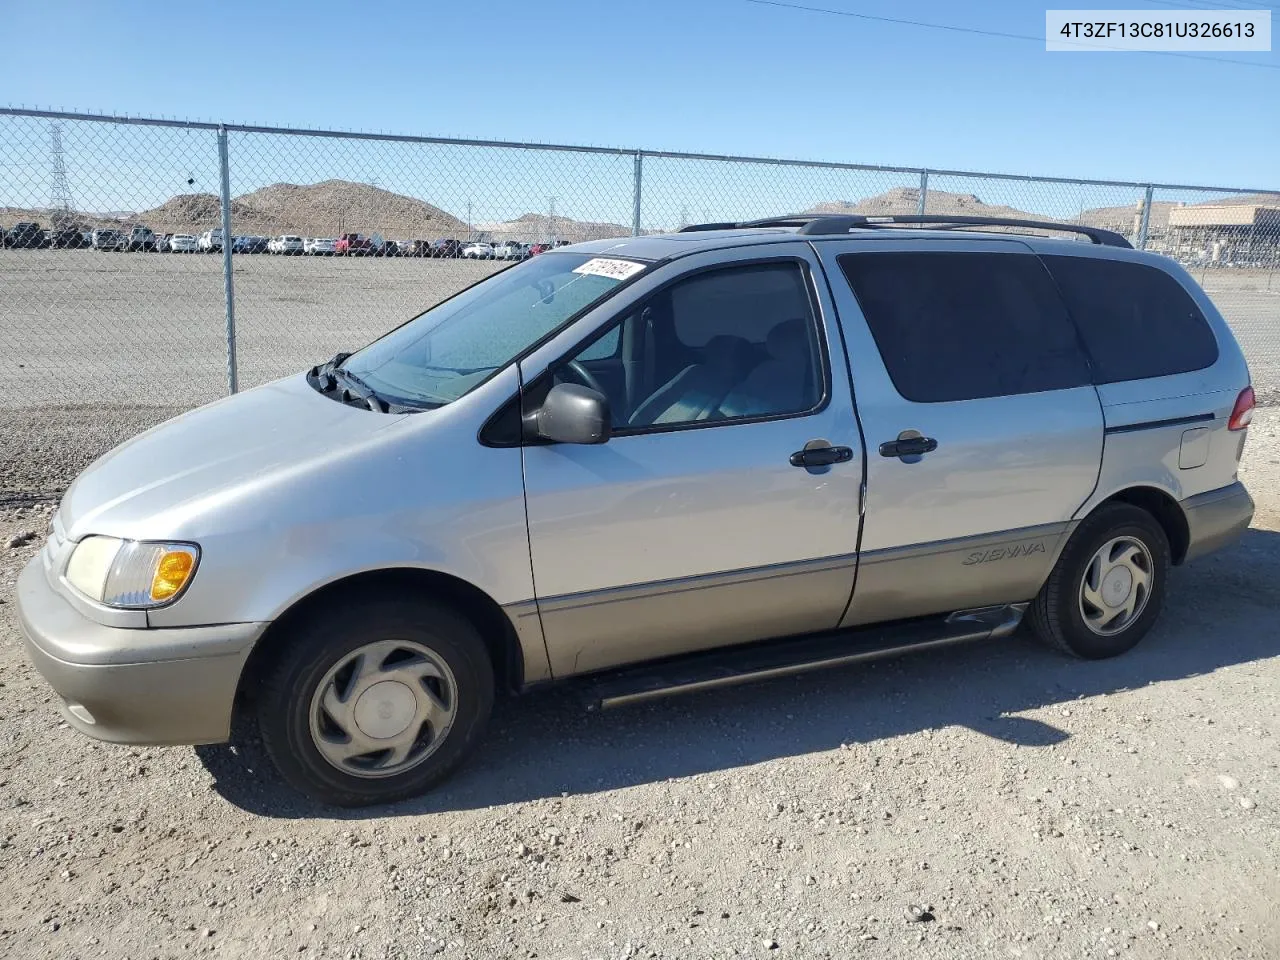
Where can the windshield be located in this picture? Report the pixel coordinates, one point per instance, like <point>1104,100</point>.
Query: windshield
<point>443,353</point>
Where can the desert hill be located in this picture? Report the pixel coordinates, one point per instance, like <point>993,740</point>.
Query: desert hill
<point>540,227</point>
<point>903,200</point>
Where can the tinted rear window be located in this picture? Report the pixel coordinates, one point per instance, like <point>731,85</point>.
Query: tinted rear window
<point>1136,320</point>
<point>959,326</point>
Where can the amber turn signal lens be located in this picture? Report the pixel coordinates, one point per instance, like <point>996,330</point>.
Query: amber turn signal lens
<point>172,573</point>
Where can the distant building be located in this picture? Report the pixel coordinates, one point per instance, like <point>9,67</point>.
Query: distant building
<point>1240,233</point>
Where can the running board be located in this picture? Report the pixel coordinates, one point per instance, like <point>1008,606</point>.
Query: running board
<point>793,655</point>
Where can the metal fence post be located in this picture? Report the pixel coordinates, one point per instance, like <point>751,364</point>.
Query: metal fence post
<point>1146,219</point>
<point>639,178</point>
<point>228,289</point>
<point>924,192</point>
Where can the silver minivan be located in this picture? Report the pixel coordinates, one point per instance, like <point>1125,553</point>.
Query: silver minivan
<point>664,463</point>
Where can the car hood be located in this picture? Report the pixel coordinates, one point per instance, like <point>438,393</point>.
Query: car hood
<point>144,487</point>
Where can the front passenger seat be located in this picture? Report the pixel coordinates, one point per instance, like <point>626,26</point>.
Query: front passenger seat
<point>783,383</point>
<point>695,393</point>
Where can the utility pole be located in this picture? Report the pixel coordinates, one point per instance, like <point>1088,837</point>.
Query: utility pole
<point>61,206</point>
<point>551,220</point>
<point>470,232</point>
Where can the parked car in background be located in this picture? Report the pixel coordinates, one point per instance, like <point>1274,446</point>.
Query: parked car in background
<point>138,238</point>
<point>508,250</point>
<point>353,245</point>
<point>287,245</point>
<point>104,238</point>
<point>537,248</point>
<point>26,235</point>
<point>386,248</point>
<point>184,243</point>
<point>415,248</point>
<point>477,251</point>
<point>211,241</point>
<point>251,244</point>
<point>66,237</point>
<point>320,246</point>
<point>446,247</point>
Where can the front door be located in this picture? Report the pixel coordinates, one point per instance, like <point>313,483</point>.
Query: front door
<point>702,521</point>
<point>984,433</point>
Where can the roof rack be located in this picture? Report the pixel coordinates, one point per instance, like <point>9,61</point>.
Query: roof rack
<point>813,224</point>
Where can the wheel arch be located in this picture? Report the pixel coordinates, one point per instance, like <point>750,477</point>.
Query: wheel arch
<point>1164,508</point>
<point>492,622</point>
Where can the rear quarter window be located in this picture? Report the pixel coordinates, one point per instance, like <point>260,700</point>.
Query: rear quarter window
<point>1136,320</point>
<point>963,326</point>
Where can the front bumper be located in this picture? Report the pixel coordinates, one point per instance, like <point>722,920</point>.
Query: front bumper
<point>1216,519</point>
<point>170,686</point>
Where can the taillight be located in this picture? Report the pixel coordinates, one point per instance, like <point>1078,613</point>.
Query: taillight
<point>1242,412</point>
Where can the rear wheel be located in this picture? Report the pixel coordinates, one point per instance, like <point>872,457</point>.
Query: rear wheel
<point>1107,589</point>
<point>375,701</point>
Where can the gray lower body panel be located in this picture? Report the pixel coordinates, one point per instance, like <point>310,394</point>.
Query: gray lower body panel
<point>607,628</point>
<point>1217,519</point>
<point>928,578</point>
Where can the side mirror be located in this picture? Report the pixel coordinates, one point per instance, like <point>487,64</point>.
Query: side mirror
<point>571,413</point>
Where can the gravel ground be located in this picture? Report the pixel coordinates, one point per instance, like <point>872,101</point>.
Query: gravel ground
<point>99,346</point>
<point>995,800</point>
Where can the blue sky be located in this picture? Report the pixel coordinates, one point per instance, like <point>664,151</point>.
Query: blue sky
<point>719,76</point>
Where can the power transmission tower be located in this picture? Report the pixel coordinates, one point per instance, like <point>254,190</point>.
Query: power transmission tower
<point>61,205</point>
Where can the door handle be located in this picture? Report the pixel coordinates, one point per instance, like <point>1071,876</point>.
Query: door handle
<point>908,447</point>
<point>821,456</point>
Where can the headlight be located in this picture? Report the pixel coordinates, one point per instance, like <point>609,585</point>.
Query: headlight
<point>131,573</point>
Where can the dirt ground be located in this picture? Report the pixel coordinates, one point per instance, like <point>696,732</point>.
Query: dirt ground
<point>995,800</point>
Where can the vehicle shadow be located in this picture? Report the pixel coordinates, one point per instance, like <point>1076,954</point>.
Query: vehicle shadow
<point>1221,610</point>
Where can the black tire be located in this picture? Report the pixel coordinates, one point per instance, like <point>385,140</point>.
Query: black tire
<point>318,642</point>
<point>1055,614</point>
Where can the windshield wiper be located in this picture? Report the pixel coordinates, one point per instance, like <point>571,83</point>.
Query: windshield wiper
<point>328,377</point>
<point>322,373</point>
<point>353,386</point>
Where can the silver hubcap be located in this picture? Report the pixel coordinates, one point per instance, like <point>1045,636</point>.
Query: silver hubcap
<point>1116,586</point>
<point>383,708</point>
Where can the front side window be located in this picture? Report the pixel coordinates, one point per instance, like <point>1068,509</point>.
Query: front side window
<point>722,345</point>
<point>961,326</point>
<point>443,353</point>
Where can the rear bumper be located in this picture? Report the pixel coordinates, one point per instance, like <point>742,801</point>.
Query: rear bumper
<point>1217,519</point>
<point>172,686</point>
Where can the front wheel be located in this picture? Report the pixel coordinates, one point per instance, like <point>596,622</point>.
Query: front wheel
<point>1107,589</point>
<point>375,701</point>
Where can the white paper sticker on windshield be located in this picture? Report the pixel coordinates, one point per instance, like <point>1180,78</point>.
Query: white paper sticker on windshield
<point>613,269</point>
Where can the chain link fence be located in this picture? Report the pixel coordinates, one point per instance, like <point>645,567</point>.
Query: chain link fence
<point>110,325</point>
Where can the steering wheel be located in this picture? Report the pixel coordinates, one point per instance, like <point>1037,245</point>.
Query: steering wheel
<point>585,377</point>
